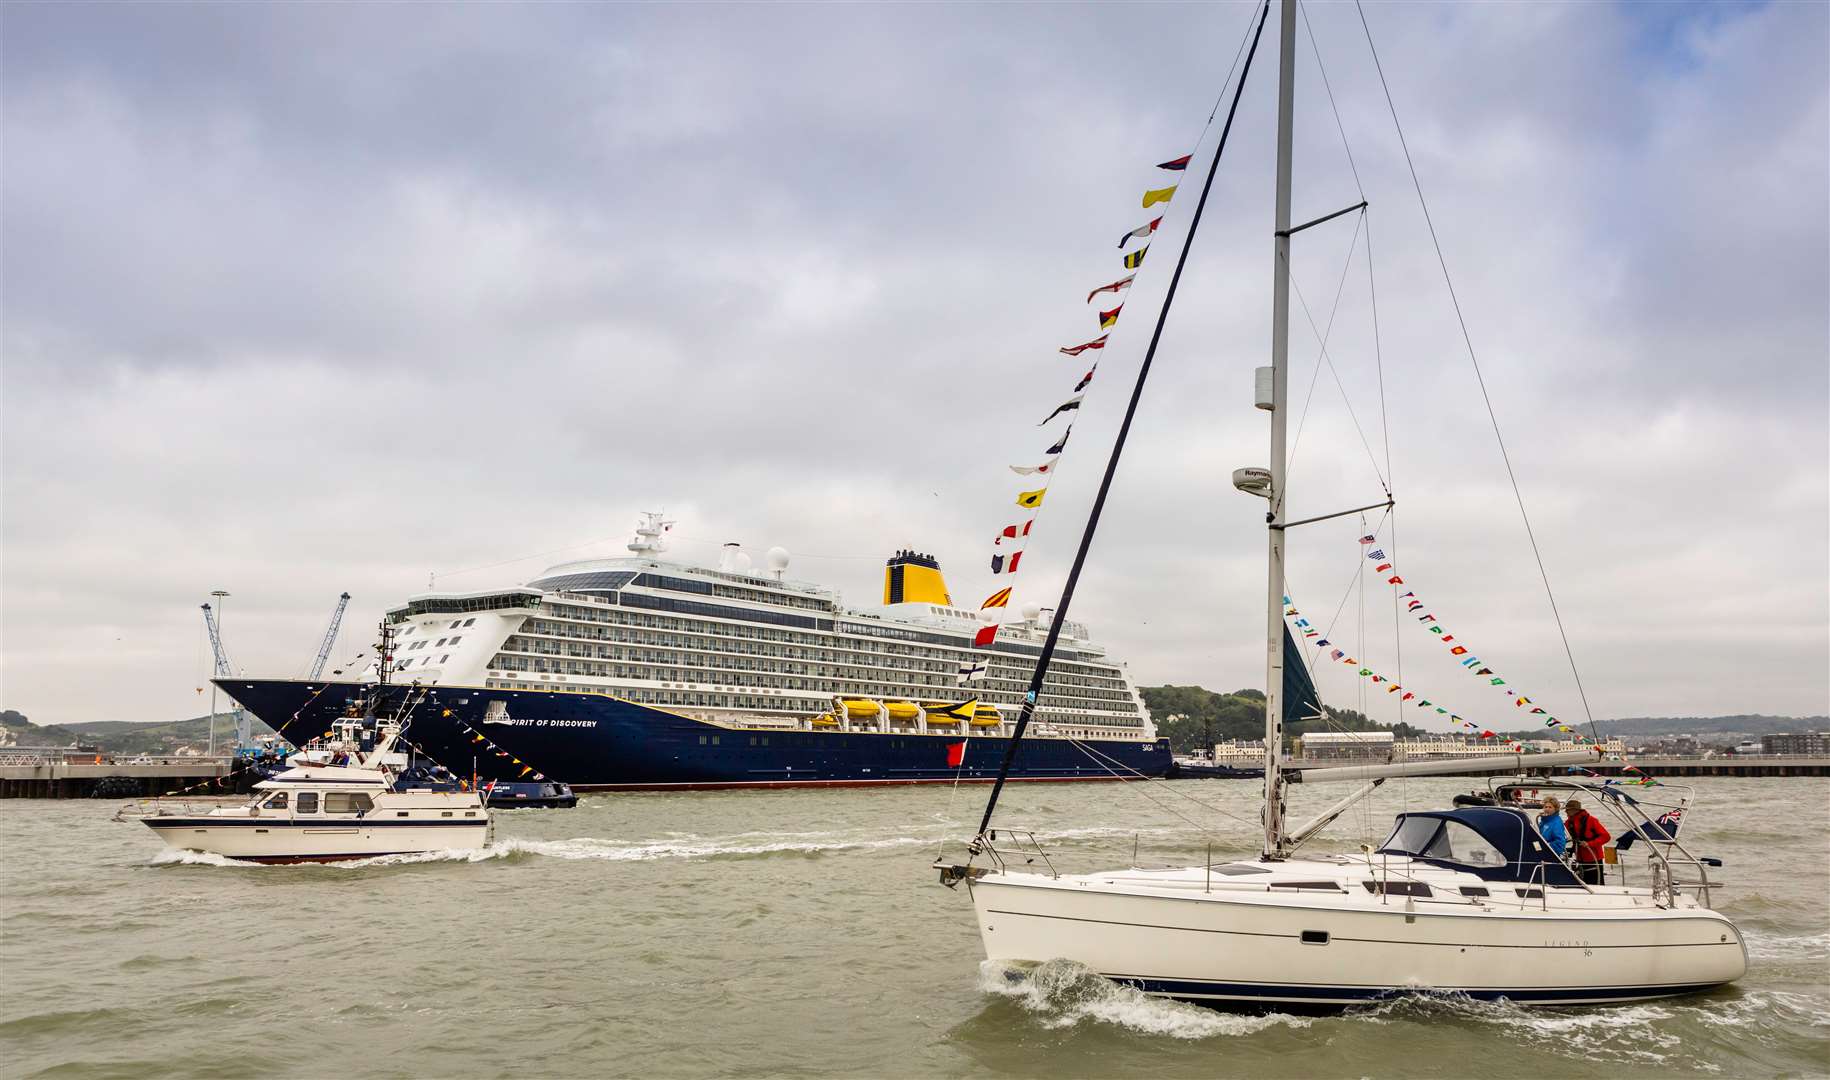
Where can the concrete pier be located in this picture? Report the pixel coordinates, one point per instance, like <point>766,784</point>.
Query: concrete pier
<point>80,779</point>
<point>1742,765</point>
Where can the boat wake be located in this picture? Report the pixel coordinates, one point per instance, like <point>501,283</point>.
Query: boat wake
<point>682,846</point>
<point>741,846</point>
<point>1063,994</point>
<point>1623,1034</point>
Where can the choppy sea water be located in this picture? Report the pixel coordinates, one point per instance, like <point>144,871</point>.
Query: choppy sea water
<point>791,933</point>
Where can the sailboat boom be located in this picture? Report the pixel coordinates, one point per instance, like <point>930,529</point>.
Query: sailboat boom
<point>1445,767</point>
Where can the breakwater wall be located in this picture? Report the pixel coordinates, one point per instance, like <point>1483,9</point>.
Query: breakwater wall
<point>103,779</point>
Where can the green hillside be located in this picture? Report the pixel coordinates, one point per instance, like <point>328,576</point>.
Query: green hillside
<point>125,736</point>
<point>1202,713</point>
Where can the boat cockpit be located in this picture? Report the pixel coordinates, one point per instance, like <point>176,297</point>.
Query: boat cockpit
<point>1491,842</point>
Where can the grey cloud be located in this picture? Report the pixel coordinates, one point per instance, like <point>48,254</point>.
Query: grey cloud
<point>304,298</point>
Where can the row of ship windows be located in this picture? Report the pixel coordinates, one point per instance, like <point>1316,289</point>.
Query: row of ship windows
<point>947,646</point>
<point>674,673</point>
<point>860,687</point>
<point>802,645</point>
<point>796,703</point>
<point>434,644</point>
<point>455,624</point>
<point>665,583</point>
<point>848,665</point>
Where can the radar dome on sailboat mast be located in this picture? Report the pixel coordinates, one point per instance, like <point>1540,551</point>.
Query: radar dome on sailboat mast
<point>1253,481</point>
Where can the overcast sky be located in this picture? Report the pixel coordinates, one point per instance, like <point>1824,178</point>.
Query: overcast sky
<point>319,297</point>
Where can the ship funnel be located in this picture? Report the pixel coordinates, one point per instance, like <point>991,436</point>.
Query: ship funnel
<point>729,557</point>
<point>1253,481</point>
<point>914,578</point>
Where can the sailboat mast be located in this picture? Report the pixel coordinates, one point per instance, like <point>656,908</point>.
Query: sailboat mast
<point>1280,350</point>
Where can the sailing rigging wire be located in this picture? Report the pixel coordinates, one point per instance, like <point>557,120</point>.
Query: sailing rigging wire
<point>1474,360</point>
<point>1107,761</point>
<point>1032,698</point>
<point>1309,316</point>
<point>1302,418</point>
<point>1338,126</point>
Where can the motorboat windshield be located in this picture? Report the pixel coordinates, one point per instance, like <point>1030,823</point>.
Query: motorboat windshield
<point>1496,843</point>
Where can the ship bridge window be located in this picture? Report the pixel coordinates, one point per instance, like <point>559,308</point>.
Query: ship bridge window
<point>277,802</point>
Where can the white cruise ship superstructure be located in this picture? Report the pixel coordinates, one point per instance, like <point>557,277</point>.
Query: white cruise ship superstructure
<point>645,672</point>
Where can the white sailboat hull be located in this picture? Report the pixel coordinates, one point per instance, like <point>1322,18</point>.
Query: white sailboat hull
<point>1250,948</point>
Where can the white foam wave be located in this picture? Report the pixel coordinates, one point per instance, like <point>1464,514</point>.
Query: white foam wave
<point>1624,1034</point>
<point>174,857</point>
<point>677,846</point>
<point>1755,1007</point>
<point>1062,994</point>
<point>1762,946</point>
<point>692,847</point>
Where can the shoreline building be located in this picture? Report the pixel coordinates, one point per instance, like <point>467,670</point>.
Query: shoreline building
<point>1814,743</point>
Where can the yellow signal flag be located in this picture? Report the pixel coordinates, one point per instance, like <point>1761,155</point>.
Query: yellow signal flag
<point>1031,499</point>
<point>1157,195</point>
<point>1001,598</point>
<point>1136,258</point>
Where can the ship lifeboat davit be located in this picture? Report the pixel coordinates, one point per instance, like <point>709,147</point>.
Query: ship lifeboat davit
<point>902,710</point>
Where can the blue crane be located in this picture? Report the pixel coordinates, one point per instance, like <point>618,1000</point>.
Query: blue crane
<point>330,639</point>
<point>244,735</point>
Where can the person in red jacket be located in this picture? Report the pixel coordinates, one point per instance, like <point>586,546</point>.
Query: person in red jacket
<point>1589,836</point>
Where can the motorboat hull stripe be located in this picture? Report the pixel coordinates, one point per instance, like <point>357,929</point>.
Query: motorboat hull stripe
<point>157,824</point>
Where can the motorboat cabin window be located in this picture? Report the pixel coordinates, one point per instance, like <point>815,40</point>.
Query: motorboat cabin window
<point>1460,844</point>
<point>277,801</point>
<point>308,802</point>
<point>347,802</point>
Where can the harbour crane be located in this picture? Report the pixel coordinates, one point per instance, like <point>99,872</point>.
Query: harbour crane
<point>244,735</point>
<point>330,639</point>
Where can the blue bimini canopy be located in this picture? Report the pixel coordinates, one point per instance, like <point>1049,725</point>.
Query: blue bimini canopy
<point>1496,843</point>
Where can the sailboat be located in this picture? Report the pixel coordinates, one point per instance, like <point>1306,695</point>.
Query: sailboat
<point>1466,900</point>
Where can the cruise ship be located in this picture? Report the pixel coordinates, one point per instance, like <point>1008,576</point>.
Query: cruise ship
<point>641,672</point>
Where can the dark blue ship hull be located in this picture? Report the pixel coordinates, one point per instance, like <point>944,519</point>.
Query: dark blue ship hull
<point>599,743</point>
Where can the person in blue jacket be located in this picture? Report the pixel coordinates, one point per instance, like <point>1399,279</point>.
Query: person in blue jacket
<point>1550,826</point>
